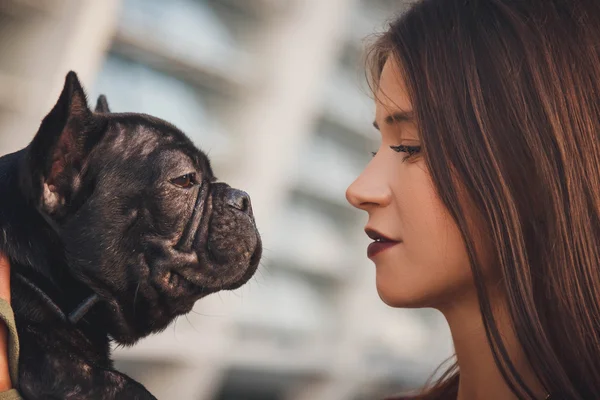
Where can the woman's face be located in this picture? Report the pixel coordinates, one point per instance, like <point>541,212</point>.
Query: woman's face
<point>423,261</point>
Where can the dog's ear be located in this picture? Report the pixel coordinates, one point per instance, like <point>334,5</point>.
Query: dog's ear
<point>58,151</point>
<point>102,105</point>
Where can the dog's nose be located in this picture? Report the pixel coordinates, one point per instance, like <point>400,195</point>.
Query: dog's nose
<point>238,199</point>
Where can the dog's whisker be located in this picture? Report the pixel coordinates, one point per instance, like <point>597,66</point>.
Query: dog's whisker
<point>236,293</point>
<point>207,315</point>
<point>220,297</point>
<point>175,328</point>
<point>135,297</point>
<point>192,325</point>
<point>260,273</point>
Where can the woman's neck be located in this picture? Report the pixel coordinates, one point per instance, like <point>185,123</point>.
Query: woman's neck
<point>480,378</point>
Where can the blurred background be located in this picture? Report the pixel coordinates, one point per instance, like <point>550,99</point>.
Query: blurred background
<point>274,91</point>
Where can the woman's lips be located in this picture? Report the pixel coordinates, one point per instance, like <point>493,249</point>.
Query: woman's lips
<point>380,244</point>
<point>377,247</point>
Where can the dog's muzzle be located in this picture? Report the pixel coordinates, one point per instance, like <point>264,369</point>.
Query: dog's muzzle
<point>187,239</point>
<point>235,198</point>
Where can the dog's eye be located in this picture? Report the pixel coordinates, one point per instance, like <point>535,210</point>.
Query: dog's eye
<point>185,181</point>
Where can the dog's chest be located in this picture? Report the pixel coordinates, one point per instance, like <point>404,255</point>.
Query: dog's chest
<point>45,338</point>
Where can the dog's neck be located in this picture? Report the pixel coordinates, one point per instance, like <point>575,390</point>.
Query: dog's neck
<point>35,250</point>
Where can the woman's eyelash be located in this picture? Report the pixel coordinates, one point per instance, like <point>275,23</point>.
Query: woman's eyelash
<point>409,150</point>
<point>406,149</point>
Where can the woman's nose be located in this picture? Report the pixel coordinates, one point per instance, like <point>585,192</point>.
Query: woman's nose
<point>368,192</point>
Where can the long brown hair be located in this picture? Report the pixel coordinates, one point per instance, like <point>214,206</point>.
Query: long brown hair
<point>507,98</point>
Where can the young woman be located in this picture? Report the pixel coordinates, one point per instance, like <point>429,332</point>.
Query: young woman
<point>484,196</point>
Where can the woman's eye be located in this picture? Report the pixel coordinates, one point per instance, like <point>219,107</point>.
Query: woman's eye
<point>185,181</point>
<point>409,150</point>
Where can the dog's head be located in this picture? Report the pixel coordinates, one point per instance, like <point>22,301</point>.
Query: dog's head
<point>142,219</point>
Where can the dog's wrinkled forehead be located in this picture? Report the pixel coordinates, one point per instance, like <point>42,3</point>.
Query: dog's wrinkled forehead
<point>148,139</point>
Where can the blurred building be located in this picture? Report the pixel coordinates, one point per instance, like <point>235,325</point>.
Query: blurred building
<point>274,92</point>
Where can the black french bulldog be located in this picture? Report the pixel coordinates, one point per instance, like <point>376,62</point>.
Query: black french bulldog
<point>114,225</point>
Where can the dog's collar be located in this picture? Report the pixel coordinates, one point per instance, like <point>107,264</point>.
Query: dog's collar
<point>76,314</point>
<point>72,317</point>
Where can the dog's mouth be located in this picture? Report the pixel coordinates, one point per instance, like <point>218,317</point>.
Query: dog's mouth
<point>223,239</point>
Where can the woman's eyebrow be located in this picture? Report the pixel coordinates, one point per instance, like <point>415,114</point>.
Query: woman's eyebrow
<point>396,118</point>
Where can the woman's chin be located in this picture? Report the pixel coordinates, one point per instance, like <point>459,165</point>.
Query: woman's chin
<point>416,292</point>
<point>395,285</point>
<point>399,295</point>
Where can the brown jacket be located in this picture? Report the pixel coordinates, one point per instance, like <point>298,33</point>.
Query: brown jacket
<point>7,315</point>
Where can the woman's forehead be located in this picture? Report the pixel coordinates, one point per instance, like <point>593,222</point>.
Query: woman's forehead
<point>392,94</point>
